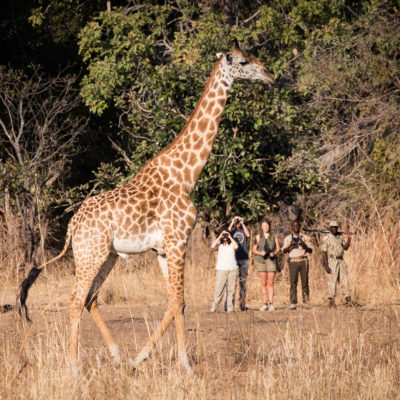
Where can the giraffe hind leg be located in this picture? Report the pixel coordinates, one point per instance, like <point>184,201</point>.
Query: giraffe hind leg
<point>92,307</point>
<point>84,294</point>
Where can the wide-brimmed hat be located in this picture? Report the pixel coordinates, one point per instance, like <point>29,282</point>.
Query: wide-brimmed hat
<point>333,223</point>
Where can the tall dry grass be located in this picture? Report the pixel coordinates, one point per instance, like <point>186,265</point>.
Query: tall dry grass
<point>306,354</point>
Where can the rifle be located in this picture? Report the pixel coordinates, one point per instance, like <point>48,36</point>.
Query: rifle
<point>327,231</point>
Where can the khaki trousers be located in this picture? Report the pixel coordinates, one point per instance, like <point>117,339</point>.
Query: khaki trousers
<point>338,274</point>
<point>225,279</point>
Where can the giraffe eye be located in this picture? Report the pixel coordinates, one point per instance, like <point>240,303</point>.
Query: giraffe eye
<point>244,63</point>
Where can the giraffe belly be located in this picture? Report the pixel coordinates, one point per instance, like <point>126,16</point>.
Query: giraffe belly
<point>125,247</point>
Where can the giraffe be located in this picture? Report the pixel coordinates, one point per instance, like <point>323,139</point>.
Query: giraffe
<point>151,211</point>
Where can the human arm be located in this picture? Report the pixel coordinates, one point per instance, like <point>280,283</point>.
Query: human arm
<point>216,242</point>
<point>233,241</point>
<point>246,231</point>
<point>288,245</point>
<point>232,223</point>
<point>277,247</point>
<point>255,245</point>
<point>325,262</point>
<point>347,244</point>
<point>324,248</point>
<point>306,244</point>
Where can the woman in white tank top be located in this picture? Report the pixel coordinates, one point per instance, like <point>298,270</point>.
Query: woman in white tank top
<point>227,270</point>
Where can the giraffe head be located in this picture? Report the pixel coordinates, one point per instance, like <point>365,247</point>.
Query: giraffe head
<point>238,64</point>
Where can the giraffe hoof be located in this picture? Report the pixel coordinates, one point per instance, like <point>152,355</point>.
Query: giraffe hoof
<point>133,363</point>
<point>186,365</point>
<point>134,366</point>
<point>75,370</point>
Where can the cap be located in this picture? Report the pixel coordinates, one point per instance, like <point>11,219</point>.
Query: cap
<point>333,223</point>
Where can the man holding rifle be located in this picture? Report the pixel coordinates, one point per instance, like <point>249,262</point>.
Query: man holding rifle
<point>333,246</point>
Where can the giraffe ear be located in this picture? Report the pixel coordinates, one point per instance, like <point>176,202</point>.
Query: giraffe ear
<point>236,44</point>
<point>219,55</point>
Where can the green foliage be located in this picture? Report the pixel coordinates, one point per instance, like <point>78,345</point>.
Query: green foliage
<point>153,64</point>
<point>59,19</point>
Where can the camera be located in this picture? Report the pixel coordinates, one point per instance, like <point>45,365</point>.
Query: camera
<point>268,252</point>
<point>296,240</point>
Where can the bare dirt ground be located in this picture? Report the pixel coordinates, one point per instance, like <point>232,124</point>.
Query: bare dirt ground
<point>231,339</point>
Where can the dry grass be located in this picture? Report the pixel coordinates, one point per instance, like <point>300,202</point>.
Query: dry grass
<point>306,354</point>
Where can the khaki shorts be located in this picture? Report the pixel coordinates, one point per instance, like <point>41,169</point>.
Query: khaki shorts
<point>268,266</point>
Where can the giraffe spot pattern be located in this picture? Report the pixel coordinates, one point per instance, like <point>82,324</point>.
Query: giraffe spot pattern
<point>154,209</point>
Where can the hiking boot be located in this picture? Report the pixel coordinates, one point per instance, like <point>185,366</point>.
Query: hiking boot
<point>306,306</point>
<point>292,306</point>
<point>332,302</point>
<point>264,307</point>
<point>350,303</point>
<point>271,307</point>
<point>243,308</point>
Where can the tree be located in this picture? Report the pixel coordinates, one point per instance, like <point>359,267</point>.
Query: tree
<point>351,77</point>
<point>151,62</point>
<point>38,134</point>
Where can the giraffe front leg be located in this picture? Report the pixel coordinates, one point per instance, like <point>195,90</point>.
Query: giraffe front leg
<point>146,350</point>
<point>175,260</point>
<point>180,340</point>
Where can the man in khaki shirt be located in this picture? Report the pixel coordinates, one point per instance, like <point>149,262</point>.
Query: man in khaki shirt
<point>298,245</point>
<point>333,246</point>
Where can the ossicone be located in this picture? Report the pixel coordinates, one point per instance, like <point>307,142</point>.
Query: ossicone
<point>236,44</point>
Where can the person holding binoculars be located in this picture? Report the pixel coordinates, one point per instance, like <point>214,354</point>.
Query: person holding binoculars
<point>241,234</point>
<point>227,270</point>
<point>266,247</point>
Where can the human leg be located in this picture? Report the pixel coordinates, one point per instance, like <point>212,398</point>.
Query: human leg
<point>293,275</point>
<point>270,287</point>
<point>344,278</point>
<point>332,279</point>
<point>305,288</point>
<point>264,290</point>
<point>220,284</point>
<point>243,274</point>
<point>231,285</point>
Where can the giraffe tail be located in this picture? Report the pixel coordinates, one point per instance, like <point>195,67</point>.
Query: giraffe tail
<point>32,276</point>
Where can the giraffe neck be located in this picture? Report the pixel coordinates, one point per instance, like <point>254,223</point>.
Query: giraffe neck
<point>192,147</point>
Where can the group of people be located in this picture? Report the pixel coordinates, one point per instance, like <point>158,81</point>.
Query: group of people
<point>233,261</point>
